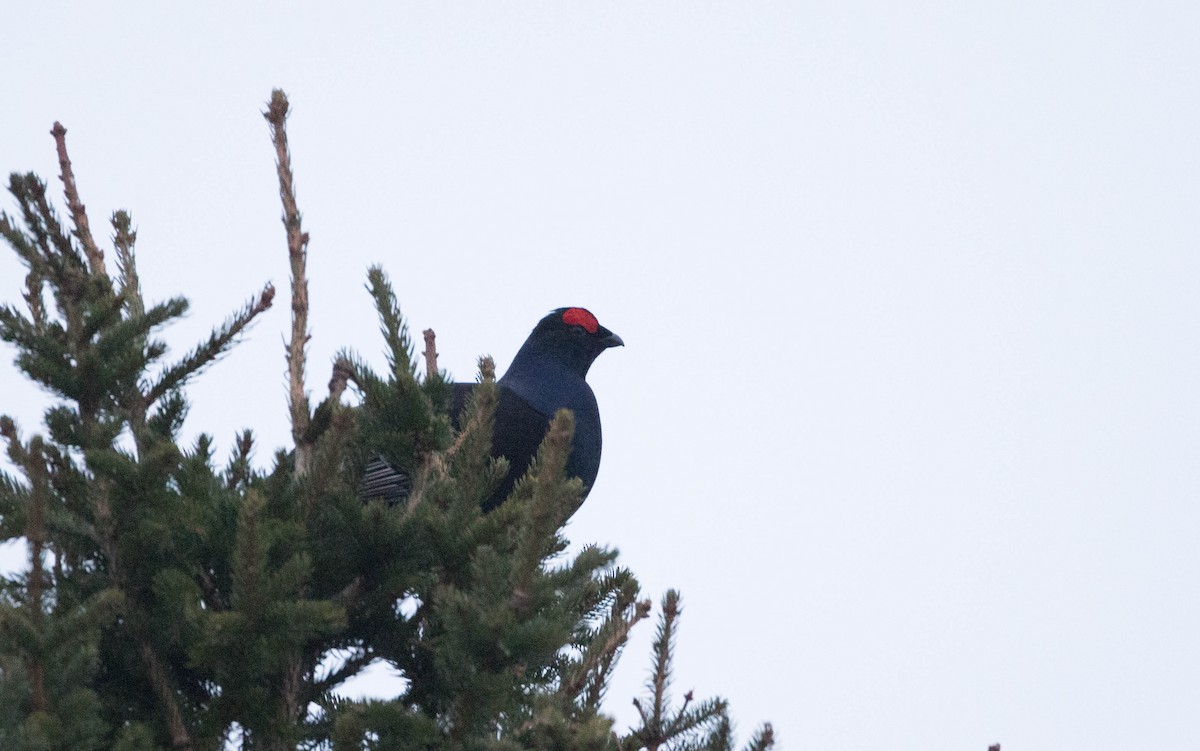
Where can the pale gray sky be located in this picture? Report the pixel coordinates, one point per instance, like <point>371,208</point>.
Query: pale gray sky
<point>909,407</point>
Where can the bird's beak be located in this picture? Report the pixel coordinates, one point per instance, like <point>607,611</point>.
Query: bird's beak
<point>612,340</point>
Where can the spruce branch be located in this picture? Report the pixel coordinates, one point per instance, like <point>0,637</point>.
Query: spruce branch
<point>22,243</point>
<point>15,328</point>
<point>664,646</point>
<point>688,720</point>
<point>349,668</point>
<point>483,413</point>
<point>8,431</point>
<point>468,456</point>
<point>249,571</point>
<point>593,670</point>
<point>43,221</point>
<point>33,298</point>
<point>239,470</point>
<point>391,324</point>
<point>79,216</point>
<point>720,738</point>
<point>547,511</point>
<point>612,650</point>
<point>46,248</point>
<point>218,343</point>
<point>124,237</point>
<point>297,242</point>
<point>35,533</point>
<point>682,730</point>
<point>764,739</point>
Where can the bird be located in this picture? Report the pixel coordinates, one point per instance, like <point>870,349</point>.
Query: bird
<point>547,374</point>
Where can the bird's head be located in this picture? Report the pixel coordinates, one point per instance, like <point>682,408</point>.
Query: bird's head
<point>574,336</point>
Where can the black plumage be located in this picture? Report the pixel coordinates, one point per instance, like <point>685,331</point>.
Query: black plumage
<point>548,373</point>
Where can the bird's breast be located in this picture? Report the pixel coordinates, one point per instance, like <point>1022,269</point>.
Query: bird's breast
<point>549,388</point>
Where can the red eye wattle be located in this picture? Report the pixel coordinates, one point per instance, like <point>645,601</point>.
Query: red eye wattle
<point>581,317</point>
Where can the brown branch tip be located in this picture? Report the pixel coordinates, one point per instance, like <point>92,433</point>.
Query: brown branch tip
<point>277,108</point>
<point>297,244</point>
<point>79,216</point>
<point>265,299</point>
<point>343,372</point>
<point>431,366</point>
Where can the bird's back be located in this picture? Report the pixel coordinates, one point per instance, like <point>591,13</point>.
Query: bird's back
<point>518,431</point>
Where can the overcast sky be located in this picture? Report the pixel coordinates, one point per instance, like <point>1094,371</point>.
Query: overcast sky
<point>909,405</point>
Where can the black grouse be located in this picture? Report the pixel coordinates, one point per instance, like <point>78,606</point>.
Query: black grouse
<point>547,374</point>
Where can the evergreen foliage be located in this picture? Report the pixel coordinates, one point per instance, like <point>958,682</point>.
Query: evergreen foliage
<point>176,601</point>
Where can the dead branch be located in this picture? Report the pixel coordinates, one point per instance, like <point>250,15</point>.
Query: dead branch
<point>83,229</point>
<point>431,366</point>
<point>297,241</point>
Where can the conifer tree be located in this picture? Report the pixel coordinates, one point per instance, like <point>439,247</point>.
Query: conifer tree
<point>176,601</point>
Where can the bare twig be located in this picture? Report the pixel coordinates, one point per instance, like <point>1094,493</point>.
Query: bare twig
<point>343,373</point>
<point>293,676</point>
<point>297,241</point>
<point>83,230</point>
<point>431,366</point>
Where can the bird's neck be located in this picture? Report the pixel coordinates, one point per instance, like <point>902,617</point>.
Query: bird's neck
<point>536,357</point>
<point>545,381</point>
